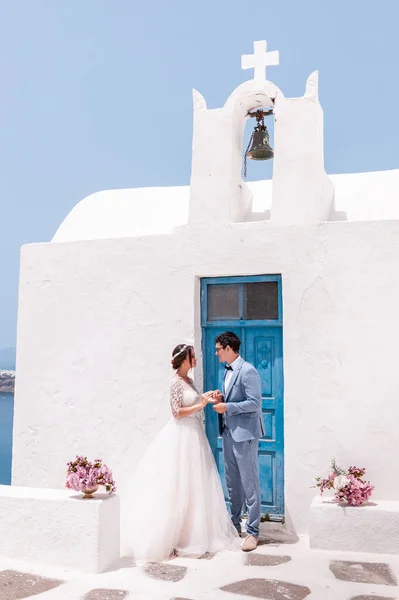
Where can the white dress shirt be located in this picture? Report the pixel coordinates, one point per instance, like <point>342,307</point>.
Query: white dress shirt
<point>229,374</point>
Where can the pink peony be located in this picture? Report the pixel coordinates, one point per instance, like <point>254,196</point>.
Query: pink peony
<point>349,486</point>
<point>82,474</point>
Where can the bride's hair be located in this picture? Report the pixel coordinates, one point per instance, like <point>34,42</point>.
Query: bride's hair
<point>180,354</point>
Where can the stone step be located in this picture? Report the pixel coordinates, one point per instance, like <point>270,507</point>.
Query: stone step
<point>59,528</point>
<point>373,527</point>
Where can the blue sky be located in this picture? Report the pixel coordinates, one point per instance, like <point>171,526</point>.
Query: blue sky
<point>73,120</point>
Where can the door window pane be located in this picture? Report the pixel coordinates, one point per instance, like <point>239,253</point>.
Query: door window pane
<point>223,302</point>
<point>261,300</point>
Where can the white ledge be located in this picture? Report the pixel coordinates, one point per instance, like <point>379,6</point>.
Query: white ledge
<point>59,528</point>
<point>373,527</point>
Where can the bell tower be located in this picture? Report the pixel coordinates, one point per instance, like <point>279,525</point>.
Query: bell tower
<point>302,192</point>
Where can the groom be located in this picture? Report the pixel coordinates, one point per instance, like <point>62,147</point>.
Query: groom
<point>241,426</point>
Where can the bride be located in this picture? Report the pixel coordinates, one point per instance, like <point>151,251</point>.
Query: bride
<point>179,506</point>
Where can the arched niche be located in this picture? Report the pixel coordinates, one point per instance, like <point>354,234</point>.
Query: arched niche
<point>248,97</point>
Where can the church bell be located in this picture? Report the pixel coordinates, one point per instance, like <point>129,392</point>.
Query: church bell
<point>259,145</point>
<point>260,149</point>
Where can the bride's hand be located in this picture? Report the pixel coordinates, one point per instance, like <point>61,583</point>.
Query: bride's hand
<point>207,398</point>
<point>217,396</point>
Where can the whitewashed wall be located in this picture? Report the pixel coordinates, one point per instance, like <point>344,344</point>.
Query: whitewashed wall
<point>98,320</point>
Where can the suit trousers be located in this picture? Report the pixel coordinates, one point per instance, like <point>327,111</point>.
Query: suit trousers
<point>242,480</point>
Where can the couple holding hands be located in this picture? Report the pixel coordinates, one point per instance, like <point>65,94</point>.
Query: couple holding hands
<point>178,501</point>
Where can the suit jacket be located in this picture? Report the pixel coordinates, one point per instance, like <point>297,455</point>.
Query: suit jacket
<point>244,404</point>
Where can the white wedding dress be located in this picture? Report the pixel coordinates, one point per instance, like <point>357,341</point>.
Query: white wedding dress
<point>178,501</point>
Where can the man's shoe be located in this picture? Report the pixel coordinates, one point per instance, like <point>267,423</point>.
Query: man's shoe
<point>250,543</point>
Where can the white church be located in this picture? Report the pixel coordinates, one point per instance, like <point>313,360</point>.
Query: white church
<point>304,267</point>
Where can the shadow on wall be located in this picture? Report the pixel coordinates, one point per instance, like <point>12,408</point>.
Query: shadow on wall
<point>337,215</point>
<point>259,216</point>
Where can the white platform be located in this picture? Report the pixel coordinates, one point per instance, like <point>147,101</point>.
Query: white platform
<point>60,528</point>
<point>370,528</point>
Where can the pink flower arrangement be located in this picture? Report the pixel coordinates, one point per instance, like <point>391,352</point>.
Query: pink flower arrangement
<point>82,475</point>
<point>349,486</point>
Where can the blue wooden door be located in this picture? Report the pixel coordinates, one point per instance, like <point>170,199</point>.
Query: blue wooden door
<point>254,313</point>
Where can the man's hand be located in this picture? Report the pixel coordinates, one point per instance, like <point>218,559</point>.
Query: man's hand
<point>220,408</point>
<point>218,396</point>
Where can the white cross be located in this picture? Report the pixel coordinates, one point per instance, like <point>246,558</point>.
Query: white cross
<point>259,60</point>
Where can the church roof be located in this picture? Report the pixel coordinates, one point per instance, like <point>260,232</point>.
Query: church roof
<point>158,210</point>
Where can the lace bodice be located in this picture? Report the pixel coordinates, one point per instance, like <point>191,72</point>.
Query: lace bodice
<point>183,394</point>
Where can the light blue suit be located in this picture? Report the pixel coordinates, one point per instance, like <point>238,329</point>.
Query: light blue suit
<point>242,427</point>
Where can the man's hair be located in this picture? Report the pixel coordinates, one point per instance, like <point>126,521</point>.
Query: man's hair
<point>228,338</point>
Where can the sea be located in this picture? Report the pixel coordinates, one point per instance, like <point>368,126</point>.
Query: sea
<point>6,424</point>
